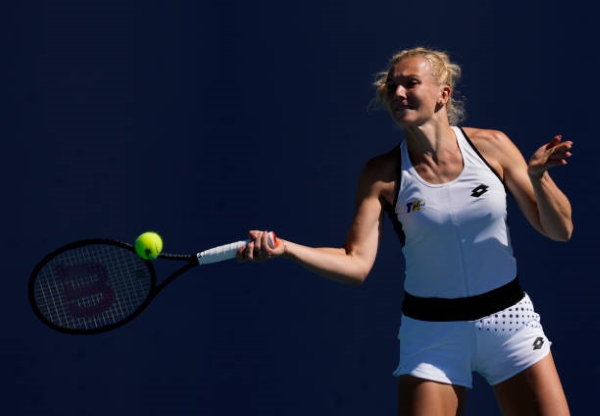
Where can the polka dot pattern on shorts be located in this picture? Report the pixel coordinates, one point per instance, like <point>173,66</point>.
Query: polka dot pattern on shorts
<point>511,319</point>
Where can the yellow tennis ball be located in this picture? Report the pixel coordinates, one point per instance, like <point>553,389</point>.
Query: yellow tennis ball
<point>148,245</point>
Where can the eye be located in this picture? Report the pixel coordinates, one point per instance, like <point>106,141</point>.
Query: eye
<point>412,83</point>
<point>391,86</point>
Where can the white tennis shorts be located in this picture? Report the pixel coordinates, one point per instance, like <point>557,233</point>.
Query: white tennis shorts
<point>497,346</point>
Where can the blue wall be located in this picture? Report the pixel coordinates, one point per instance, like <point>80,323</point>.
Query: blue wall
<point>202,120</point>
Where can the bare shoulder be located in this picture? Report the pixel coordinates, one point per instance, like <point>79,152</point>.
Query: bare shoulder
<point>494,145</point>
<point>486,138</point>
<point>379,175</point>
<point>384,164</point>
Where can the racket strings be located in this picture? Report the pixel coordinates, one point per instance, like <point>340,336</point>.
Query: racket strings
<point>92,286</point>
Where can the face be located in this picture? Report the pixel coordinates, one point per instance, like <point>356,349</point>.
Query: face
<point>413,95</point>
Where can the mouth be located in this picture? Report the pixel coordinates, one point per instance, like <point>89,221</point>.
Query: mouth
<point>402,107</point>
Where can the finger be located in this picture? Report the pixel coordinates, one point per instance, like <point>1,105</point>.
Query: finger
<point>561,155</point>
<point>567,145</point>
<point>263,249</point>
<point>557,159</point>
<point>240,255</point>
<point>554,142</point>
<point>258,247</point>
<point>253,234</point>
<point>564,145</point>
<point>557,142</point>
<point>250,250</point>
<point>266,242</point>
<point>258,243</point>
<point>563,150</point>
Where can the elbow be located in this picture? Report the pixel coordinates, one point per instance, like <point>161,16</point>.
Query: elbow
<point>564,235</point>
<point>351,279</point>
<point>357,279</point>
<point>567,235</point>
<point>361,274</point>
<point>357,271</point>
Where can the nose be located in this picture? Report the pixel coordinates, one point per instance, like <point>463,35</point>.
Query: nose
<point>400,91</point>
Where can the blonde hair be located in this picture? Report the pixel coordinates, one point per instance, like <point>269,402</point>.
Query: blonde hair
<point>444,71</point>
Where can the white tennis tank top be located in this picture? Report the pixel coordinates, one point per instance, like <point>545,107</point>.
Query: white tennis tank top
<point>457,241</point>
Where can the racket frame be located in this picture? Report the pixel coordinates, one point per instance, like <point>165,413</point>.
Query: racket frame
<point>191,261</point>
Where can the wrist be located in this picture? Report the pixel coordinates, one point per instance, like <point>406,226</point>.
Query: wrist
<point>285,252</point>
<point>536,175</point>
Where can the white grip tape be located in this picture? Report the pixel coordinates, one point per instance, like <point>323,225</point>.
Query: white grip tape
<point>228,251</point>
<point>221,253</point>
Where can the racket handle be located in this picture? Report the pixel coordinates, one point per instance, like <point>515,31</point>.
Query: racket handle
<point>229,251</point>
<point>220,253</point>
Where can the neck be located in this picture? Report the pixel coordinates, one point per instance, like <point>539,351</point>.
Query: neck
<point>430,139</point>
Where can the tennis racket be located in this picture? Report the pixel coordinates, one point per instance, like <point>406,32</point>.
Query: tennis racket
<point>96,285</point>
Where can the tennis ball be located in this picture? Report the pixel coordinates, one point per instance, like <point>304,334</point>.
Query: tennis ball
<point>148,245</point>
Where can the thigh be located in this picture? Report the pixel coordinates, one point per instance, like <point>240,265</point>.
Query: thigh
<point>436,351</point>
<point>534,391</point>
<point>419,397</point>
<point>509,342</point>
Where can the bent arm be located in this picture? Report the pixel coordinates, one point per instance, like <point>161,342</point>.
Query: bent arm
<point>554,208</point>
<point>546,207</point>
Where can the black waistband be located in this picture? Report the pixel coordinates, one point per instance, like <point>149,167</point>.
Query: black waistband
<point>463,309</point>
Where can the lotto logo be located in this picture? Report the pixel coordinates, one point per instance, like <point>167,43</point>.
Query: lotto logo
<point>537,344</point>
<point>480,190</point>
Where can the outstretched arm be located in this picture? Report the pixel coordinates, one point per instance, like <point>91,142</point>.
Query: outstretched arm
<point>352,262</point>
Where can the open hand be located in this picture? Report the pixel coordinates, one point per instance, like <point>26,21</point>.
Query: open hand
<point>551,154</point>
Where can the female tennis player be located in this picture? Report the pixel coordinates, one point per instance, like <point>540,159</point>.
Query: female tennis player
<point>445,188</point>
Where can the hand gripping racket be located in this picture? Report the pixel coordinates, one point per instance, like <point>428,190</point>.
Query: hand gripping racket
<point>96,285</point>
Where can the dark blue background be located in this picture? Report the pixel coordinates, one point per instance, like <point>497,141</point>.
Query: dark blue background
<point>202,120</point>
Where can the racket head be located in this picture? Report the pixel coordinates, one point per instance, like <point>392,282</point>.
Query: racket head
<point>91,286</point>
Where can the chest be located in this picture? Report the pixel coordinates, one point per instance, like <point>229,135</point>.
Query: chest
<point>473,197</point>
<point>439,173</point>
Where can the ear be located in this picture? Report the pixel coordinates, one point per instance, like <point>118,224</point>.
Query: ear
<point>445,92</point>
